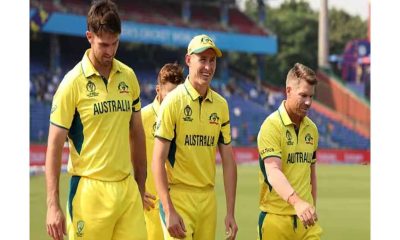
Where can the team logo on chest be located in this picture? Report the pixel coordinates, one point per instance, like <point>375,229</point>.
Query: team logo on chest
<point>214,119</point>
<point>309,139</point>
<point>79,228</point>
<point>187,111</point>
<point>289,138</point>
<point>123,88</point>
<point>91,88</point>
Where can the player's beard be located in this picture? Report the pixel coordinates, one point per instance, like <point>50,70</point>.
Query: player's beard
<point>104,62</point>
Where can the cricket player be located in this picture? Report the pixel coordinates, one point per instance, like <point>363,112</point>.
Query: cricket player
<point>287,144</point>
<point>192,122</point>
<point>97,106</point>
<point>169,77</point>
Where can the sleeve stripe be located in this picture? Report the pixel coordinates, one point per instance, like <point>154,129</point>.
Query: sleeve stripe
<point>272,156</point>
<point>225,143</point>
<point>59,126</point>
<point>135,101</point>
<point>226,123</point>
<point>169,140</point>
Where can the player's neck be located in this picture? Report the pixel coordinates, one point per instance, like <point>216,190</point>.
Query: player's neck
<point>103,70</point>
<point>293,117</point>
<point>201,89</point>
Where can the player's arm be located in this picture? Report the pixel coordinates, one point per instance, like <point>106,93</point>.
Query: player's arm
<point>174,222</point>
<point>230,180</point>
<point>138,151</point>
<point>314,183</point>
<point>304,210</point>
<point>55,221</point>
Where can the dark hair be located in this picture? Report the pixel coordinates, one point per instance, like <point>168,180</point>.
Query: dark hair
<point>103,17</point>
<point>301,72</point>
<point>170,72</point>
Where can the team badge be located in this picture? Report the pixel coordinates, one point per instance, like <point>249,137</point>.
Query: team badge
<point>309,139</point>
<point>91,88</point>
<point>123,88</point>
<point>79,228</point>
<point>213,119</point>
<point>289,138</point>
<point>187,111</point>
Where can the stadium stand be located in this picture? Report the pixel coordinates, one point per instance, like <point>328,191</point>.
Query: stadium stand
<point>205,15</point>
<point>249,103</point>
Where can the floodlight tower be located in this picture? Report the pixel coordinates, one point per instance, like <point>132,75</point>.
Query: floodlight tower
<point>323,33</point>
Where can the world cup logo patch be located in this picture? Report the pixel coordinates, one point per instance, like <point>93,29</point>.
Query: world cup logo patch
<point>79,228</point>
<point>91,89</point>
<point>187,111</point>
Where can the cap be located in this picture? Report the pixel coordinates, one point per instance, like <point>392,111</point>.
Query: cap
<point>200,43</point>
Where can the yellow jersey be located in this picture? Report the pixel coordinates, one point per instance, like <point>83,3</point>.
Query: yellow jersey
<point>297,151</point>
<point>97,113</point>
<point>149,117</point>
<point>194,127</point>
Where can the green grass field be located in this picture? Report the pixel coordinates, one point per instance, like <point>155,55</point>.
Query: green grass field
<point>343,202</point>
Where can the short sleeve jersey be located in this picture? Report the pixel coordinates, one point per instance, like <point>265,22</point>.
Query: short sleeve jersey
<point>195,127</point>
<point>297,151</point>
<point>97,114</point>
<point>149,117</point>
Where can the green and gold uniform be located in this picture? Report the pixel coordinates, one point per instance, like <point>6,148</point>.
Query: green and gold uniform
<point>195,127</point>
<point>152,217</point>
<point>104,199</point>
<point>297,151</point>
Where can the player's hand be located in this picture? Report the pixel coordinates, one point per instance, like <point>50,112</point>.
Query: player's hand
<point>230,228</point>
<point>148,201</point>
<point>55,223</point>
<point>306,212</point>
<point>175,225</point>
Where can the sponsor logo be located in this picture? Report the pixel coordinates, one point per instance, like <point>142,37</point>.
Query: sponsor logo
<point>267,150</point>
<point>206,40</point>
<point>123,88</point>
<point>213,119</point>
<point>289,138</point>
<point>79,228</point>
<point>187,111</point>
<point>309,139</point>
<point>91,88</point>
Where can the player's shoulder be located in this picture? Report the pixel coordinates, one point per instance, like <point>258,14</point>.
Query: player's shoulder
<point>273,120</point>
<point>125,69</point>
<point>218,98</point>
<point>274,117</point>
<point>123,66</point>
<point>311,123</point>
<point>147,110</point>
<point>176,95</point>
<point>72,76</point>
